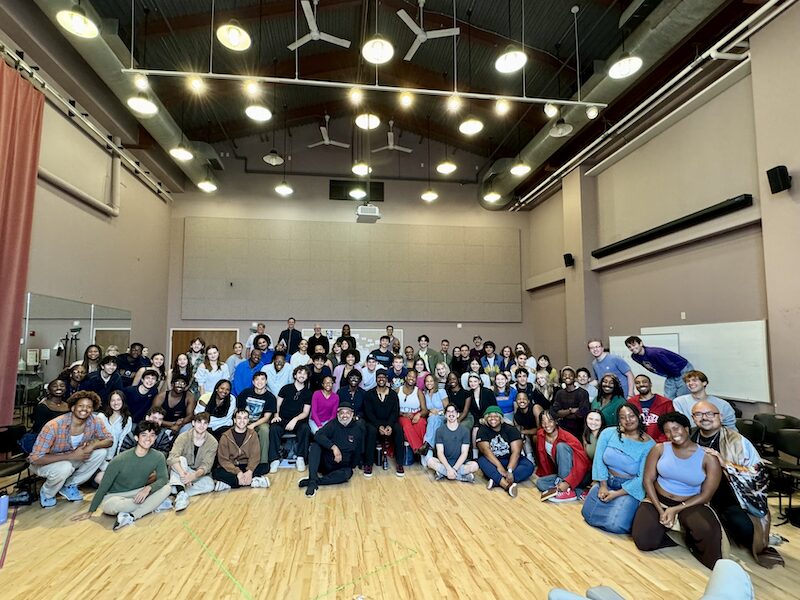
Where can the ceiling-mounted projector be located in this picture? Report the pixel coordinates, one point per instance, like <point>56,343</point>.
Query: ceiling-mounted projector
<point>367,213</point>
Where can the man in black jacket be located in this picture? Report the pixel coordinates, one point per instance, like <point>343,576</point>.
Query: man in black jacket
<point>336,450</point>
<point>381,418</point>
<point>290,336</point>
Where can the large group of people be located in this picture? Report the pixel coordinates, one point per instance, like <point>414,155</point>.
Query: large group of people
<point>666,469</point>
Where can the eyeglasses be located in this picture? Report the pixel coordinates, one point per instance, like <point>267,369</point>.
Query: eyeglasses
<point>704,415</point>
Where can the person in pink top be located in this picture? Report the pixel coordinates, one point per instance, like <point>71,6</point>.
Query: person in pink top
<point>324,404</point>
<point>422,373</point>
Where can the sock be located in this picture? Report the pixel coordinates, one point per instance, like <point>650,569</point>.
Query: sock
<point>179,489</point>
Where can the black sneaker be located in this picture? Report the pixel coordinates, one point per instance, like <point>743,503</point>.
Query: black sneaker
<point>400,472</point>
<point>302,482</point>
<point>367,471</point>
<point>311,490</point>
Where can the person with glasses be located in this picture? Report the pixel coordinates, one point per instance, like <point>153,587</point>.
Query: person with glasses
<point>605,363</point>
<point>740,501</point>
<point>697,382</point>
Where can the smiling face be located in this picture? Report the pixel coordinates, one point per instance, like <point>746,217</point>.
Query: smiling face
<point>419,365</point>
<point>423,342</point>
<point>135,351</point>
<point>381,379</point>
<point>441,371</point>
<point>158,360</point>
<point>109,368</point>
<point>676,433</point>
<point>57,388</point>
<point>548,424</point>
<point>78,373</point>
<point>303,346</point>
<point>568,376</point>
<point>156,417</point>
<point>430,383</point>
<point>115,402</point>
<point>595,348</point>
<point>521,359</point>
<point>212,354</point>
<point>149,380</point>
<point>224,390</point>
<point>582,377</point>
<point>474,383</point>
<point>409,352</point>
<point>93,353</point>
<point>452,380</point>
<point>146,439</point>
<point>474,365</point>
<point>238,348</point>
<point>262,344</point>
<point>594,421</point>
<point>523,402</point>
<point>82,409</point>
<point>300,376</point>
<point>182,361</point>
<point>695,384</point>
<point>541,379</point>
<point>607,384</point>
<point>411,378</point>
<point>327,383</point>
<point>200,426</point>
<point>197,346</point>
<point>500,380</point>
<point>451,413</point>
<point>240,420</point>
<point>344,415</point>
<point>628,420</point>
<point>493,420</point>
<point>178,387</point>
<point>643,385</point>
<point>279,362</point>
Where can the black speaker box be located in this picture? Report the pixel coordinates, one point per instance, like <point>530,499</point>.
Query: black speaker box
<point>569,260</point>
<point>779,179</point>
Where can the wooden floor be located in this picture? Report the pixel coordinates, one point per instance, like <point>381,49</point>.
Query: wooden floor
<point>385,538</point>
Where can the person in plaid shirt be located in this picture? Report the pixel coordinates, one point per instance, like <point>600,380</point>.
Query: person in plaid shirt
<point>70,449</point>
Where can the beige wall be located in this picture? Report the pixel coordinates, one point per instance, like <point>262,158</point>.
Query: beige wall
<point>550,323</point>
<point>705,158</point>
<point>547,235</point>
<point>79,254</point>
<point>776,88</point>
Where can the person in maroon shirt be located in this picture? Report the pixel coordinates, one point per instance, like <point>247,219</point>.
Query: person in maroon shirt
<point>652,406</point>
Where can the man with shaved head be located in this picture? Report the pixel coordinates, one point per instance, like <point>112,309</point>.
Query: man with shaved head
<point>741,502</point>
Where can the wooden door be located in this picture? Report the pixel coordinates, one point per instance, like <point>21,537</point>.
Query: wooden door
<point>121,338</point>
<point>223,338</point>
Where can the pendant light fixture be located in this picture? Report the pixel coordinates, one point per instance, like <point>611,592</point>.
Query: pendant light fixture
<point>591,111</point>
<point>207,184</point>
<point>77,23</point>
<point>551,110</point>
<point>368,121</point>
<point>513,58</point>
<point>447,166</point>
<point>272,158</point>
<point>142,105</point>
<point>358,193</point>
<point>472,125</point>
<point>180,152</point>
<point>377,50</point>
<point>502,107</point>
<point>233,36</point>
<point>520,168</point>
<point>626,65</point>
<point>429,195</point>
<point>283,188</point>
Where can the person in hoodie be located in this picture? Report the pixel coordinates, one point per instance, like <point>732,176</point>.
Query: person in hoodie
<point>337,448</point>
<point>239,457</point>
<point>105,380</point>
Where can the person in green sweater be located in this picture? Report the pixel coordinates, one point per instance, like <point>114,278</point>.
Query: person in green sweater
<point>124,491</point>
<point>609,399</point>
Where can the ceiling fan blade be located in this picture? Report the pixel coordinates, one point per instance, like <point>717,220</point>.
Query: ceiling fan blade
<point>410,22</point>
<point>310,18</point>
<point>440,33</point>
<point>297,43</point>
<point>414,47</point>
<point>324,131</point>
<point>315,144</point>
<point>339,144</point>
<point>403,149</point>
<point>334,40</point>
<point>390,136</point>
<point>381,149</point>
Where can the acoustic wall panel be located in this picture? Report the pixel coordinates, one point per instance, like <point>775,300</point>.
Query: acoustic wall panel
<point>259,268</point>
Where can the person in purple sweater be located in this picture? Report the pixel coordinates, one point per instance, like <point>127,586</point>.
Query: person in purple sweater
<point>324,404</point>
<point>663,362</point>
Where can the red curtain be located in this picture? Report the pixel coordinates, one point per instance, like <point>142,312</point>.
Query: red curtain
<point>21,108</point>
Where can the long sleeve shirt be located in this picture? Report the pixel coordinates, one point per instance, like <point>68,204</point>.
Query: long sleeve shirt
<point>381,413</point>
<point>635,450</point>
<point>130,472</point>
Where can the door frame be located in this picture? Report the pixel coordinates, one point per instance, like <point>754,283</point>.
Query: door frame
<point>172,329</point>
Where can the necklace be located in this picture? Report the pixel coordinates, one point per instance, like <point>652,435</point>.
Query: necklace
<point>708,442</point>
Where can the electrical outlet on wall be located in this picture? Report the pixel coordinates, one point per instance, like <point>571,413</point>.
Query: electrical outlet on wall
<point>683,316</point>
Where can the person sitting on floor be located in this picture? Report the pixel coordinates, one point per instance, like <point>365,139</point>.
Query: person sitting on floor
<point>294,406</point>
<point>69,449</point>
<point>740,500</point>
<point>451,442</point>
<point>239,457</point>
<point>190,461</point>
<point>680,479</point>
<point>561,462</point>
<point>525,421</point>
<point>336,450</point>
<point>501,459</point>
<point>124,491</point>
<point>594,425</point>
<point>163,441</point>
<point>117,420</point>
<point>621,453</point>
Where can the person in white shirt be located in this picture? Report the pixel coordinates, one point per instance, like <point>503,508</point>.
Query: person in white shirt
<point>301,357</point>
<point>697,382</point>
<point>278,374</point>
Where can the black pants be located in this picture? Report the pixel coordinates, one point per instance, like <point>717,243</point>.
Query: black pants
<point>371,439</point>
<point>301,430</point>
<point>320,460</point>
<point>220,474</point>
<point>217,433</point>
<point>736,523</point>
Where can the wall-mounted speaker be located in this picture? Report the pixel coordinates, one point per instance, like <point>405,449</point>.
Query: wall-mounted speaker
<point>569,260</point>
<point>779,179</point>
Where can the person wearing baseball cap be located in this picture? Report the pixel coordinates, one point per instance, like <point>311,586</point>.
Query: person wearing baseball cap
<point>336,450</point>
<point>500,446</point>
<point>382,419</point>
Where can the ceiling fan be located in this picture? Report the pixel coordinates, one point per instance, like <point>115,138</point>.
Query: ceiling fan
<point>422,35</point>
<point>314,32</point>
<point>326,140</point>
<point>391,145</point>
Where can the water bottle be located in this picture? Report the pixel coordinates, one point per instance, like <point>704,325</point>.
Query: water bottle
<point>3,508</point>
<point>385,461</point>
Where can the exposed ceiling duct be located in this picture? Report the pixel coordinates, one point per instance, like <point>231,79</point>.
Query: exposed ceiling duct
<point>103,59</point>
<point>653,40</point>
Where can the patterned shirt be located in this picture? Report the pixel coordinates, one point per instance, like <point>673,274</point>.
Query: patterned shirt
<point>55,437</point>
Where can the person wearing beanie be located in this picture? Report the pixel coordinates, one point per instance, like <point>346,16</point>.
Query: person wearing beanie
<point>337,448</point>
<point>500,446</point>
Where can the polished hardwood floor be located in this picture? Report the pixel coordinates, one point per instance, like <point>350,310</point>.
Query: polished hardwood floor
<point>385,538</point>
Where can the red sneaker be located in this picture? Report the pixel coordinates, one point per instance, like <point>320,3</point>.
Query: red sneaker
<point>566,496</point>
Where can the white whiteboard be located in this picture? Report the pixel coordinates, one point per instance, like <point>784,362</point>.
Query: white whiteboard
<point>733,356</point>
<point>670,341</point>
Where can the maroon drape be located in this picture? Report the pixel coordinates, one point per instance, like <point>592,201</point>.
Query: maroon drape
<point>21,107</point>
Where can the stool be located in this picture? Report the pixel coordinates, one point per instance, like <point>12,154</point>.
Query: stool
<point>288,443</point>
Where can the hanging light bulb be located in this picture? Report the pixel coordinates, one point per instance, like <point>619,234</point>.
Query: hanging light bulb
<point>141,83</point>
<point>259,113</point>
<point>471,125</point>
<point>377,50</point>
<point>592,112</point>
<point>511,61</point>
<point>142,105</point>
<point>454,103</point>
<point>625,66</point>
<point>551,110</point>
<point>272,158</point>
<point>207,185</point>
<point>232,36</point>
<point>429,195</point>
<point>356,96</point>
<point>491,196</point>
<point>361,169</point>
<point>520,168</point>
<point>252,89</point>
<point>406,99</point>
<point>560,129</point>
<point>197,85</point>
<point>367,121</point>
<point>76,22</point>
<point>358,193</point>
<point>446,167</point>
<point>181,153</point>
<point>501,107</point>
<point>284,189</point>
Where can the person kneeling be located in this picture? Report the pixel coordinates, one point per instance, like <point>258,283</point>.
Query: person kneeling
<point>501,457</point>
<point>337,448</point>
<point>124,491</point>
<point>191,460</point>
<point>239,456</point>
<point>452,448</point>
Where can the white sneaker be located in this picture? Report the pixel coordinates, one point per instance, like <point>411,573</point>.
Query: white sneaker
<point>221,486</point>
<point>300,464</point>
<point>164,506</point>
<point>123,520</point>
<point>181,501</point>
<point>274,465</point>
<point>260,482</point>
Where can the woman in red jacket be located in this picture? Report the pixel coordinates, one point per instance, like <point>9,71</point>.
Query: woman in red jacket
<point>561,462</point>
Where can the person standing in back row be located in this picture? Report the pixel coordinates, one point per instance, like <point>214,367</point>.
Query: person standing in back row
<point>608,363</point>
<point>662,362</point>
<point>290,336</point>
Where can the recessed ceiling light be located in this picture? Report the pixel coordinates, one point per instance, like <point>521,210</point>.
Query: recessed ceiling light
<point>429,195</point>
<point>560,129</point>
<point>491,196</point>
<point>358,193</point>
<point>232,36</point>
<point>273,158</point>
<point>446,167</point>
<point>520,169</point>
<point>76,22</point>
<point>356,96</point>
<point>258,113</point>
<point>511,61</point>
<point>197,85</point>
<point>141,83</point>
<point>284,189</point>
<point>625,66</point>
<point>377,50</point>
<point>471,125</point>
<point>454,103</point>
<point>181,153</point>
<point>367,121</point>
<point>592,112</point>
<point>551,110</point>
<point>501,107</point>
<point>406,99</point>
<point>142,105</point>
<point>207,186</point>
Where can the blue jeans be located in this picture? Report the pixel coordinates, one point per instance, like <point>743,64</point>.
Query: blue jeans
<point>522,471</point>
<point>563,468</point>
<point>615,516</point>
<point>675,386</point>
<point>434,422</point>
